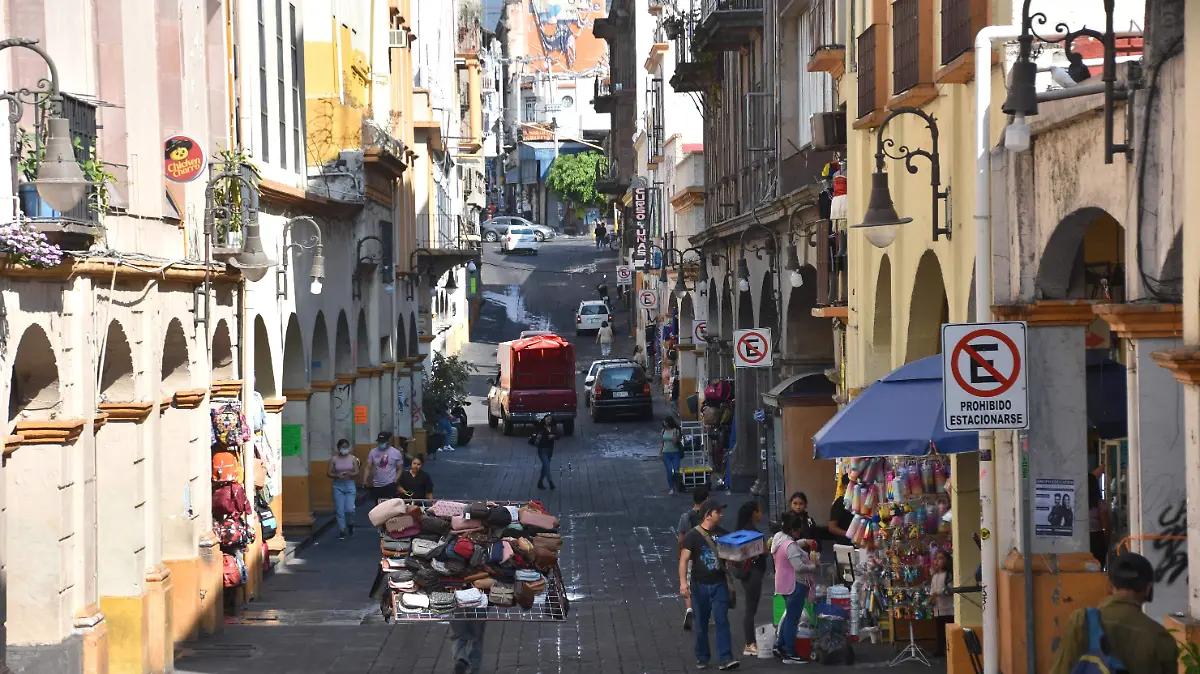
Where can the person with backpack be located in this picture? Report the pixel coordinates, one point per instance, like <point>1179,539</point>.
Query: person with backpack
<point>794,570</point>
<point>1118,636</point>
<point>751,572</point>
<point>689,520</point>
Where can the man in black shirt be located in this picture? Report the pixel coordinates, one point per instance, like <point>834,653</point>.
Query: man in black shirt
<point>416,483</point>
<point>840,517</point>
<point>708,587</point>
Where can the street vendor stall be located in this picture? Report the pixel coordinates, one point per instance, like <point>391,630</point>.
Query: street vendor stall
<point>452,560</point>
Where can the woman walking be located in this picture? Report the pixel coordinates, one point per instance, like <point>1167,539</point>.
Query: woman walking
<point>793,577</point>
<point>604,336</point>
<point>749,516</point>
<point>671,451</point>
<point>543,439</point>
<point>343,468</point>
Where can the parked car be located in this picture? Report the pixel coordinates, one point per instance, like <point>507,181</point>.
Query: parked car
<point>621,388</point>
<point>494,229</point>
<point>589,379</point>
<point>590,314</point>
<point>536,377</point>
<point>520,239</point>
<point>535,333</point>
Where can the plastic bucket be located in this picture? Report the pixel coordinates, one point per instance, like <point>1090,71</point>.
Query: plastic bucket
<point>839,595</point>
<point>764,640</point>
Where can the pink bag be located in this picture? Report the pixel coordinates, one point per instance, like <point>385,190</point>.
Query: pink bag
<point>398,524</point>
<point>387,510</point>
<point>449,508</point>
<point>461,524</point>
<point>539,520</point>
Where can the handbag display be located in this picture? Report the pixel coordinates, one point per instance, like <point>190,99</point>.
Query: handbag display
<point>548,541</point>
<point>423,548</point>
<point>386,510</point>
<point>435,525</point>
<point>449,508</point>
<point>533,518</point>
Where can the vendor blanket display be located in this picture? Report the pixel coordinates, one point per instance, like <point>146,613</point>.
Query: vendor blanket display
<point>485,560</point>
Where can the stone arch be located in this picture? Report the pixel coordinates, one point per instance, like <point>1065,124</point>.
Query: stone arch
<point>222,353</point>
<point>295,370</point>
<point>34,387</point>
<point>176,365</point>
<point>927,309</point>
<point>116,370</point>
<point>362,345</point>
<point>322,367</point>
<point>727,312</point>
<point>414,342</point>
<point>881,335</point>
<point>343,356</point>
<point>768,310</point>
<point>264,368</point>
<point>401,338</point>
<point>1170,278</point>
<point>808,337</point>
<point>1082,237</point>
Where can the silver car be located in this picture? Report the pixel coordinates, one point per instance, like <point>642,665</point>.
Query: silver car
<point>493,230</point>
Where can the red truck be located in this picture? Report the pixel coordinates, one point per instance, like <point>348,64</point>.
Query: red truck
<point>536,377</point>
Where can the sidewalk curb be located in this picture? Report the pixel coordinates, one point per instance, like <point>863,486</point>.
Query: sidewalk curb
<point>317,531</point>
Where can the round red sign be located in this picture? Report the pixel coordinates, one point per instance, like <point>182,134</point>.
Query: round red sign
<point>184,159</point>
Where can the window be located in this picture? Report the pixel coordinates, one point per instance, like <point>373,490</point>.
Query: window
<point>281,84</point>
<point>593,310</point>
<point>530,109</point>
<point>867,70</point>
<point>906,36</point>
<point>297,116</point>
<point>961,19</point>
<point>264,118</point>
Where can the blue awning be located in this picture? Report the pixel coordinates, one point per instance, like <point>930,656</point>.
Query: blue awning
<point>899,415</point>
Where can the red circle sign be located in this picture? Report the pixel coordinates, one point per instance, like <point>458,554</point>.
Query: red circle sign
<point>964,345</point>
<point>753,347</point>
<point>700,331</point>
<point>647,298</point>
<point>183,159</point>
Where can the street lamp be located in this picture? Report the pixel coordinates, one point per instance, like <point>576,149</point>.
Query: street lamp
<point>1021,102</point>
<point>881,223</point>
<point>60,181</point>
<point>681,289</point>
<point>317,274</point>
<point>360,262</point>
<point>792,266</point>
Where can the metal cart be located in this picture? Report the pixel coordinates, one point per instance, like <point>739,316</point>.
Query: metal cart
<point>695,466</point>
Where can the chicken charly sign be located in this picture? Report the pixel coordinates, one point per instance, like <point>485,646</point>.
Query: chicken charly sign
<point>184,159</point>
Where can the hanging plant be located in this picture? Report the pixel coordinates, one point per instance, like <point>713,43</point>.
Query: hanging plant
<point>103,180</point>
<point>24,245</point>
<point>228,193</point>
<point>31,155</point>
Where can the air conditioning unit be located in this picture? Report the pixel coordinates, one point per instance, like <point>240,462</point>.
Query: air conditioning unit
<point>398,38</point>
<point>828,130</point>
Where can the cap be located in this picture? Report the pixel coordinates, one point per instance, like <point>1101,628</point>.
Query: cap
<point>383,436</point>
<point>709,506</point>
<point>1130,571</point>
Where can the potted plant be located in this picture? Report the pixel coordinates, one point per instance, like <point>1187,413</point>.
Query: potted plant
<point>673,27</point>
<point>21,244</point>
<point>227,194</point>
<point>445,395</point>
<point>103,180</point>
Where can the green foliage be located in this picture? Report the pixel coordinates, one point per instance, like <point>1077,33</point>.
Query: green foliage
<point>1189,657</point>
<point>574,177</point>
<point>32,154</point>
<point>228,193</point>
<point>95,171</point>
<point>445,385</point>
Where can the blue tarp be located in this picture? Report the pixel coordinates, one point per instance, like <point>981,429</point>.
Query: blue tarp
<point>899,415</point>
<point>542,151</point>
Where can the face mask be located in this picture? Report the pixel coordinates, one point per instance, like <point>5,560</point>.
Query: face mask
<point>343,450</point>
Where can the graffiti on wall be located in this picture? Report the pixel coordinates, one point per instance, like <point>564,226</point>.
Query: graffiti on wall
<point>1172,548</point>
<point>562,31</point>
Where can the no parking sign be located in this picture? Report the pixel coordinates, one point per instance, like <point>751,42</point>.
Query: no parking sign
<point>624,275</point>
<point>752,348</point>
<point>647,299</point>
<point>984,376</point>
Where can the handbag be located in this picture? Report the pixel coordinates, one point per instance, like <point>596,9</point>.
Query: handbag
<point>548,541</point>
<point>478,510</point>
<point>545,559</point>
<point>479,557</point>
<point>468,598</point>
<point>499,516</point>
<point>486,583</point>
<point>442,602</point>
<point>501,594</point>
<point>462,523</point>
<point>230,574</point>
<point>395,525</point>
<point>448,508</point>
<point>424,549</point>
<point>435,525</point>
<point>530,517</point>
<point>266,518</point>
<point>393,507</point>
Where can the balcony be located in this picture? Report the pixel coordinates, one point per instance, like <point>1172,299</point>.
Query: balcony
<point>77,228</point>
<point>728,25</point>
<point>381,149</point>
<point>602,97</point>
<point>912,53</point>
<point>829,54</point>
<point>442,242</point>
<point>612,180</point>
<point>617,25</point>
<point>961,19</point>
<point>694,72</point>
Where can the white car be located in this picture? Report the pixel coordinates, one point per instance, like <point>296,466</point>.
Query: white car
<point>520,239</point>
<point>590,314</point>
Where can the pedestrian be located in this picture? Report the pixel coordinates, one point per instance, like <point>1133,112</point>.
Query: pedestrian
<point>1131,637</point>
<point>1098,521</point>
<point>639,356</point>
<point>383,468</point>
<point>794,570</point>
<point>798,505</point>
<point>840,516</point>
<point>688,521</point>
<point>543,440</point>
<point>343,468</point>
<point>468,645</point>
<point>941,580</point>
<point>708,586</point>
<point>671,451</point>
<point>749,516</point>
<point>605,337</point>
<point>601,235</point>
<point>415,483</point>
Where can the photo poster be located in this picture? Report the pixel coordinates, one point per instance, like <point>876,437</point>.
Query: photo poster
<point>290,437</point>
<point>1053,507</point>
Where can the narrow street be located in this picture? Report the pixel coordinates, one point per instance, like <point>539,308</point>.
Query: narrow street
<point>618,556</point>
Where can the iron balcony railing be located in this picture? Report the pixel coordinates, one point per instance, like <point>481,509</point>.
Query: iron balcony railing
<point>711,7</point>
<point>906,45</point>
<point>81,118</point>
<point>442,231</point>
<point>820,25</point>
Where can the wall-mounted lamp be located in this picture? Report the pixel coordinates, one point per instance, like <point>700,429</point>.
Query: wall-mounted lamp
<point>743,275</point>
<point>364,265</point>
<point>451,283</point>
<point>792,266</point>
<point>881,223</point>
<point>317,273</point>
<point>1021,102</point>
<point>681,289</point>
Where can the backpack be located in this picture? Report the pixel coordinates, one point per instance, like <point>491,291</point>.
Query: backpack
<point>226,467</point>
<point>231,573</point>
<point>266,518</point>
<point>1096,660</point>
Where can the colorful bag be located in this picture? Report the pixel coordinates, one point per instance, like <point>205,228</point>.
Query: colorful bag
<point>232,532</point>
<point>229,425</point>
<point>449,508</point>
<point>230,573</point>
<point>266,518</point>
<point>229,498</point>
<point>226,467</point>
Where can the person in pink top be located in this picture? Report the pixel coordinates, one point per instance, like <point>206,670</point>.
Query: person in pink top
<point>794,570</point>
<point>343,468</point>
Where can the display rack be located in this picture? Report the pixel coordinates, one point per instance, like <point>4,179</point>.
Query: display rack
<point>550,606</point>
<point>695,465</point>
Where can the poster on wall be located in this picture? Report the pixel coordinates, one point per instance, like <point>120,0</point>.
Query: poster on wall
<point>1053,507</point>
<point>290,437</point>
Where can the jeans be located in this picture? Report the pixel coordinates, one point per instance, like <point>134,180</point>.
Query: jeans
<point>752,584</point>
<point>343,502</point>
<point>544,455</point>
<point>468,643</point>
<point>605,349</point>
<point>712,600</point>
<point>793,609</point>
<point>671,463</point>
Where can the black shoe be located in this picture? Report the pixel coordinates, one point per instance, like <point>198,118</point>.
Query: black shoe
<point>551,486</point>
<point>540,485</point>
<point>687,620</point>
<point>342,535</point>
<point>461,667</point>
<point>350,530</point>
